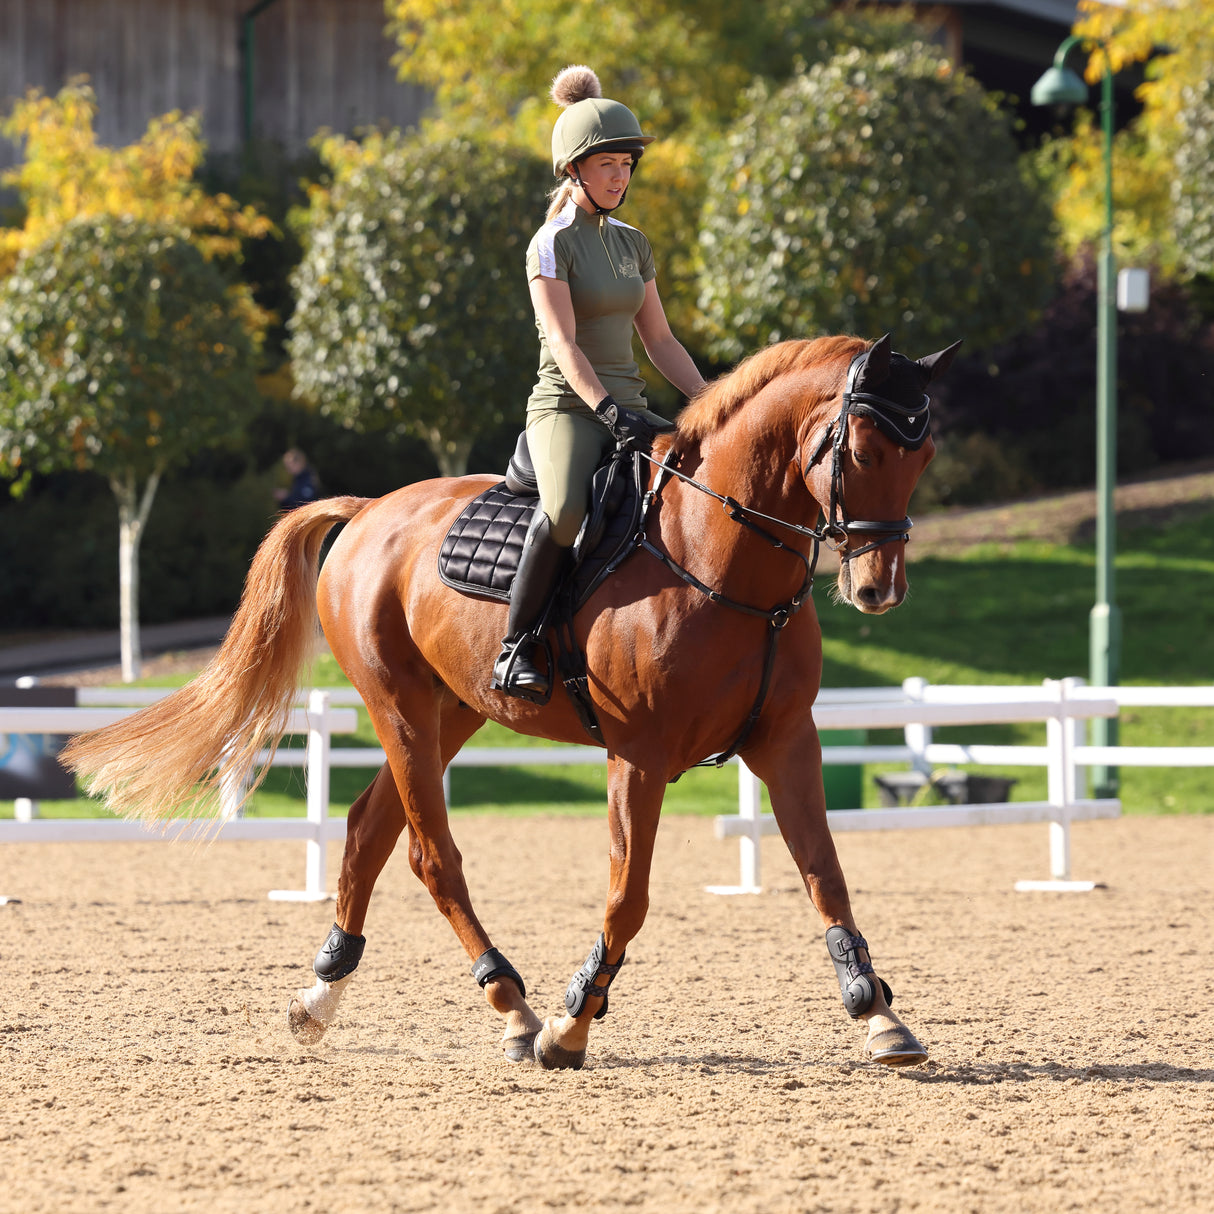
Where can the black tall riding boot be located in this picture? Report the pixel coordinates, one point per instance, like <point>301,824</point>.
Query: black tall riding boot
<point>515,671</point>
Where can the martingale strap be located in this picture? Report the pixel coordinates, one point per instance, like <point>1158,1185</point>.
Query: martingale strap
<point>906,425</point>
<point>777,617</point>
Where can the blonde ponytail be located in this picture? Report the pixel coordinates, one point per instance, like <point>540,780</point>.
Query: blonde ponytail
<point>559,197</point>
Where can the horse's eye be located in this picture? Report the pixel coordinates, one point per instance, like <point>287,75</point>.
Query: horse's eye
<point>862,458</point>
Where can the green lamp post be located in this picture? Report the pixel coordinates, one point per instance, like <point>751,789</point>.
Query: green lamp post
<point>1059,85</point>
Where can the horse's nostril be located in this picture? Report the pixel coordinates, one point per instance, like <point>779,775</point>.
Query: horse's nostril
<point>869,595</point>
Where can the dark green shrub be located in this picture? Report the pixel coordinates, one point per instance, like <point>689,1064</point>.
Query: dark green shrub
<point>412,312</point>
<point>1035,394</point>
<point>873,193</point>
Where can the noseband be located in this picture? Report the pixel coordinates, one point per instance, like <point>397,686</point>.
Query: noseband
<point>906,426</point>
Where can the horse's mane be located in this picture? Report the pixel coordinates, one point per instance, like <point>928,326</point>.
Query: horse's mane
<point>722,398</point>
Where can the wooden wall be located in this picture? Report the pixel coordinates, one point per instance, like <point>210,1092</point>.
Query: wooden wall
<point>317,63</point>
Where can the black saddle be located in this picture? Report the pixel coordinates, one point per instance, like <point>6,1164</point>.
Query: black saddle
<point>481,551</point>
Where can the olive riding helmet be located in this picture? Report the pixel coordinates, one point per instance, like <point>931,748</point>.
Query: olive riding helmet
<point>595,124</point>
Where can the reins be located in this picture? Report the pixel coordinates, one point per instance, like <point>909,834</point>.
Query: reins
<point>909,427</point>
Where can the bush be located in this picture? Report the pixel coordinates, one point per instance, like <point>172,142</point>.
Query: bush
<point>412,310</point>
<point>1035,394</point>
<point>59,550</point>
<point>972,470</point>
<point>873,193</point>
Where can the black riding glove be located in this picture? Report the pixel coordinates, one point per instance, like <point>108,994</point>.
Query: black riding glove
<point>627,425</point>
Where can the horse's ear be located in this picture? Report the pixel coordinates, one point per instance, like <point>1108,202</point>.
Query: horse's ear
<point>875,368</point>
<point>936,364</point>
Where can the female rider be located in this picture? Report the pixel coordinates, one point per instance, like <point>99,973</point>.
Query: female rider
<point>592,281</point>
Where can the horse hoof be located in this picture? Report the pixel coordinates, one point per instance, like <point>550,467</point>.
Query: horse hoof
<point>521,1048</point>
<point>305,1028</point>
<point>553,1057</point>
<point>895,1047</point>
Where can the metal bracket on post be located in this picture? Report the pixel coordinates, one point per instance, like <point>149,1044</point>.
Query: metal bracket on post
<point>319,745</point>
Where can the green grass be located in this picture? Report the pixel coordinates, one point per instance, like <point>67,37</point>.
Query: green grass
<point>987,616</point>
<point>1020,615</point>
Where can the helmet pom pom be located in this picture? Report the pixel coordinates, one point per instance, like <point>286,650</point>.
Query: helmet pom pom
<point>575,84</point>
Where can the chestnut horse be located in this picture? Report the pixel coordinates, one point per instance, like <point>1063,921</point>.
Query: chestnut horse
<point>832,426</point>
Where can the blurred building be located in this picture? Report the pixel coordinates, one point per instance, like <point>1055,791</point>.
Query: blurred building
<point>1005,44</point>
<point>314,63</point>
<point>282,69</point>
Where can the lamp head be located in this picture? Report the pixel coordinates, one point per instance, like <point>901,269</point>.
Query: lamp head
<point>1059,86</point>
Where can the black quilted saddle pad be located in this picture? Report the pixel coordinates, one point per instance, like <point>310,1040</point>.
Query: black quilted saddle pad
<point>481,551</point>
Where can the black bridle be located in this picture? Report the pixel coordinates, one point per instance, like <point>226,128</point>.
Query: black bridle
<point>906,426</point>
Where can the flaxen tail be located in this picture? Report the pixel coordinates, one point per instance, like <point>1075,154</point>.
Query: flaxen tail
<point>173,758</point>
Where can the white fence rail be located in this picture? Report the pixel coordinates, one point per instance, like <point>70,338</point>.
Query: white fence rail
<point>917,707</point>
<point>914,710</point>
<point>1065,757</point>
<point>320,720</point>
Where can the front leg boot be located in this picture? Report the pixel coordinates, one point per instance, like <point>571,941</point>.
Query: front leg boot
<point>857,981</point>
<point>583,984</point>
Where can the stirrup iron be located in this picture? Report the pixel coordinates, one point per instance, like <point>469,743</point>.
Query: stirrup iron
<point>504,668</point>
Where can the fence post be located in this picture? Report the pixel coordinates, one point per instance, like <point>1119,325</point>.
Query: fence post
<point>1059,781</point>
<point>319,746</point>
<point>918,737</point>
<point>319,743</point>
<point>750,805</point>
<point>1080,785</point>
<point>25,809</point>
<point>232,789</point>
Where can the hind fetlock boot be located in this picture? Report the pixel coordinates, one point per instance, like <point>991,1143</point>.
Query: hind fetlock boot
<point>515,671</point>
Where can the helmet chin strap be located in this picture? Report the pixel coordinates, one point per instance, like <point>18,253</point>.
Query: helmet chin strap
<point>600,210</point>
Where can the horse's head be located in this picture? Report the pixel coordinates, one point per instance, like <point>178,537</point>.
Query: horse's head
<point>865,465</point>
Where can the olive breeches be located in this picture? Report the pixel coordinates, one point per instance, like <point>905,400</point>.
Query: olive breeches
<point>566,447</point>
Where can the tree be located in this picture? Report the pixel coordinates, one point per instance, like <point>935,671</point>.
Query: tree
<point>65,175</point>
<point>683,66</point>
<point>677,63</point>
<point>1192,188</point>
<point>872,192</point>
<point>120,351</point>
<point>1163,161</point>
<point>412,312</point>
